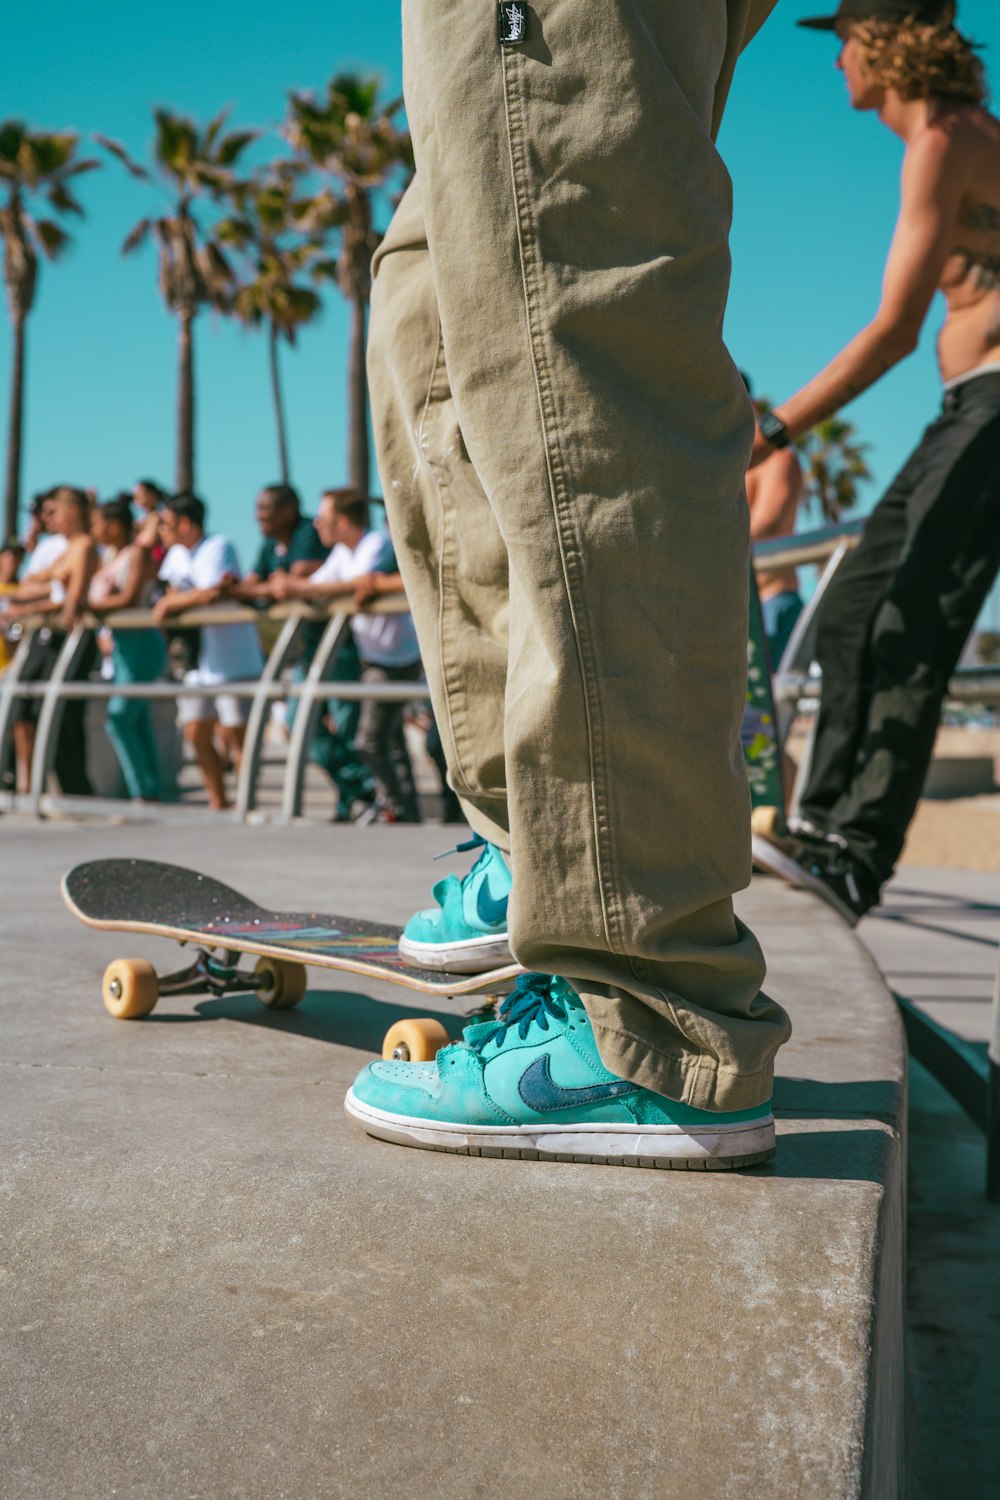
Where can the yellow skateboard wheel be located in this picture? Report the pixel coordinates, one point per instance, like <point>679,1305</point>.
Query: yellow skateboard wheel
<point>284,983</point>
<point>130,988</point>
<point>417,1039</point>
<point>767,822</point>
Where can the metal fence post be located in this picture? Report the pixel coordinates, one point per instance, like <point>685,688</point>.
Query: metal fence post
<point>825,548</point>
<point>50,717</point>
<point>260,711</point>
<point>8,694</point>
<point>312,691</point>
<point>798,654</point>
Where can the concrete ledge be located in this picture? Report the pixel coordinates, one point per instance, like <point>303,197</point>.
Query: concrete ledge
<point>215,1286</point>
<point>841,1093</point>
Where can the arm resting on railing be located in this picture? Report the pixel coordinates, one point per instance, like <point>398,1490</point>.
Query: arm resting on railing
<point>226,614</point>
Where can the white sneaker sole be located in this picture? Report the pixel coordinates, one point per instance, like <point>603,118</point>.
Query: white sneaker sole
<point>708,1148</point>
<point>767,856</point>
<point>469,956</point>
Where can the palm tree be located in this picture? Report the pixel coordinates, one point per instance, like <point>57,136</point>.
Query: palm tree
<point>350,140</point>
<point>835,466</point>
<point>275,255</point>
<point>190,165</point>
<point>834,462</point>
<point>33,165</point>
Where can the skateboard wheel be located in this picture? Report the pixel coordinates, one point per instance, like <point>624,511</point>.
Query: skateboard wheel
<point>282,984</point>
<point>130,988</point>
<point>418,1039</point>
<point>768,822</point>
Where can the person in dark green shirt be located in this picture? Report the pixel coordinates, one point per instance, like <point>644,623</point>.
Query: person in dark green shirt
<point>290,543</point>
<point>292,546</point>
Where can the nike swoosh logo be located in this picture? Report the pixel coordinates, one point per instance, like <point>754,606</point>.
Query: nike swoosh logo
<point>540,1093</point>
<point>489,911</point>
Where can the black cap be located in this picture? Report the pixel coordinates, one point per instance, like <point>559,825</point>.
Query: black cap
<point>883,10</point>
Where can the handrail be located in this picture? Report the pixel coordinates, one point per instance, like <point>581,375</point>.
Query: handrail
<point>51,712</point>
<point>221,614</point>
<point>802,548</point>
<point>335,636</point>
<point>253,743</point>
<point>796,686</point>
<point>248,687</point>
<point>318,686</point>
<point>797,549</point>
<point>792,681</point>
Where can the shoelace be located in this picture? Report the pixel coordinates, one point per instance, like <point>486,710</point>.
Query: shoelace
<point>834,862</point>
<point>531,1000</point>
<point>477,841</point>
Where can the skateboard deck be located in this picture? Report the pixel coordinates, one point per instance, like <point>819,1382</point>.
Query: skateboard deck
<point>160,900</point>
<point>761,747</point>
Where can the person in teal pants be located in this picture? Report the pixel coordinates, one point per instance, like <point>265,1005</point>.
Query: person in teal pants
<point>123,581</point>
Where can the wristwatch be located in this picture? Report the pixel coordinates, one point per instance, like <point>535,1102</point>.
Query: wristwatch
<point>774,429</point>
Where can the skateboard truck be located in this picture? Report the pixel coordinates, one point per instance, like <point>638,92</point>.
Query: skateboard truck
<point>132,986</point>
<point>205,976</point>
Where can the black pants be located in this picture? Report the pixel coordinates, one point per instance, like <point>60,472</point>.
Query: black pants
<point>894,622</point>
<point>381,745</point>
<point>70,763</point>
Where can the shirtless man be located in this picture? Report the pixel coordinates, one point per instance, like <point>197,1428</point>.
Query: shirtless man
<point>894,622</point>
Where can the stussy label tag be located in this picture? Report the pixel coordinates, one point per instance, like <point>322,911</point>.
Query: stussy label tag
<point>512,23</point>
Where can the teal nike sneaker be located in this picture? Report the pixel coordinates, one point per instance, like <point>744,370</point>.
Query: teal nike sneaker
<point>532,1085</point>
<point>467,931</point>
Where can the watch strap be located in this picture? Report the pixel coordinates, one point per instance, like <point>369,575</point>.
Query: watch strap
<point>774,429</point>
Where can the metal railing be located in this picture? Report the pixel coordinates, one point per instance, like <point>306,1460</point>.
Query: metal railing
<point>825,549</point>
<point>797,685</point>
<point>317,687</point>
<point>972,1079</point>
<point>796,681</point>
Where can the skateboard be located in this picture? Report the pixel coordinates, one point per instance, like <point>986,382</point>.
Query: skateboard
<point>769,856</point>
<point>160,900</point>
<point>759,734</point>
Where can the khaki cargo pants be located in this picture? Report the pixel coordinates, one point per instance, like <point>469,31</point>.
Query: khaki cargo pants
<point>561,439</point>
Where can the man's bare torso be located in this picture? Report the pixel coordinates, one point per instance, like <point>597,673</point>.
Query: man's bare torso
<point>970,281</point>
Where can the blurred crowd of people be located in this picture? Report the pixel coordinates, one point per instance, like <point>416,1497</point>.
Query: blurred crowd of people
<point>153,551</point>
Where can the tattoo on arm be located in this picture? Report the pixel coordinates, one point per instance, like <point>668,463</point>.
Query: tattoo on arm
<point>981,268</point>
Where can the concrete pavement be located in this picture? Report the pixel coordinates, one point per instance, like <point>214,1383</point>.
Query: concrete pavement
<point>215,1285</point>
<point>935,938</point>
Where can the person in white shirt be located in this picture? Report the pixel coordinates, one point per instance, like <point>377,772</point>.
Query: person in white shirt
<point>195,570</point>
<point>387,644</point>
<point>43,545</point>
<point>55,585</point>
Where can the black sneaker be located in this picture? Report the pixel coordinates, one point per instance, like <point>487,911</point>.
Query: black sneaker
<point>826,868</point>
<point>848,880</point>
<point>768,823</point>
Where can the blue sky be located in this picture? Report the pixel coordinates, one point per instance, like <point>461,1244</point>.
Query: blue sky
<point>815,192</point>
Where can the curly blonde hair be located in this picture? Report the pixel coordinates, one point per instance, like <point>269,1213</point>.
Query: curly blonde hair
<point>922,60</point>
